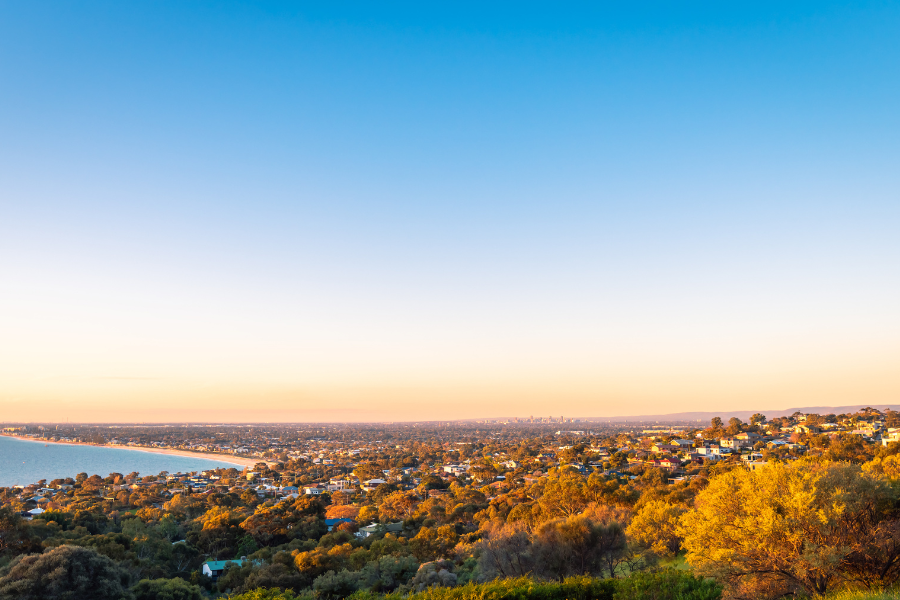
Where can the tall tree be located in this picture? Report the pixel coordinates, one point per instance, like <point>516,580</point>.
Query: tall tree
<point>757,419</point>
<point>655,526</point>
<point>796,527</point>
<point>14,535</point>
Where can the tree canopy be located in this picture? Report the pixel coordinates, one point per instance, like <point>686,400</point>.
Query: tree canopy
<point>794,527</point>
<point>65,573</point>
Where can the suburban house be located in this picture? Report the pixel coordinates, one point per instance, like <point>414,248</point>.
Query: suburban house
<point>343,482</point>
<point>669,464</point>
<point>892,435</point>
<point>214,568</point>
<point>371,484</point>
<point>332,523</point>
<point>807,429</point>
<point>710,452</point>
<point>734,443</point>
<point>376,528</point>
<point>664,447</point>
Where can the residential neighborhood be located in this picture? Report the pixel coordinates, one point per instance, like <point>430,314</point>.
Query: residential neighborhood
<point>429,491</point>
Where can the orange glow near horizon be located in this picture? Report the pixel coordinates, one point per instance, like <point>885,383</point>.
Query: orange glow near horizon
<point>619,391</point>
<point>125,357</point>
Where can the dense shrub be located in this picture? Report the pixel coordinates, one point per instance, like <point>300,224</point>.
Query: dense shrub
<point>670,584</point>
<point>166,589</point>
<point>523,588</point>
<point>64,573</point>
<point>662,585</point>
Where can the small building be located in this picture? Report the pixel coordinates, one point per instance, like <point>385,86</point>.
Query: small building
<point>710,451</point>
<point>662,448</point>
<point>371,484</point>
<point>669,464</point>
<point>332,523</point>
<point>892,435</point>
<point>377,528</point>
<point>214,568</point>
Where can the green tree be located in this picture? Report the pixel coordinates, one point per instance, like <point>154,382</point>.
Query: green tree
<point>272,525</point>
<point>563,495</point>
<point>757,419</point>
<point>14,535</point>
<point>432,543</point>
<point>735,426</point>
<point>366,471</point>
<point>578,546</point>
<point>655,526</point>
<point>65,573</point>
<point>166,589</point>
<point>398,505</point>
<point>367,514</point>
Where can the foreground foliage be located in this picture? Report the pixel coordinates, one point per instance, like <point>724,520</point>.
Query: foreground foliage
<point>67,573</point>
<point>795,528</point>
<point>566,508</point>
<point>661,585</point>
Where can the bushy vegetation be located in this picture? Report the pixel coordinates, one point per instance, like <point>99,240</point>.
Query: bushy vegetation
<point>661,585</point>
<point>798,527</point>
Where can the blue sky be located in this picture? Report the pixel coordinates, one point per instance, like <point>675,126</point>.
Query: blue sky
<point>507,205</point>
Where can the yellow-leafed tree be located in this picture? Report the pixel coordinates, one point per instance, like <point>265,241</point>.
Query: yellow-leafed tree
<point>801,527</point>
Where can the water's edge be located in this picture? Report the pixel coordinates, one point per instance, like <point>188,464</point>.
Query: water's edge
<point>23,462</point>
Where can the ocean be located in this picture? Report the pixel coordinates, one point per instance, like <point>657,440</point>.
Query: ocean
<point>23,462</point>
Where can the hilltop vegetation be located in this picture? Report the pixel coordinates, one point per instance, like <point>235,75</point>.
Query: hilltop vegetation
<point>475,522</point>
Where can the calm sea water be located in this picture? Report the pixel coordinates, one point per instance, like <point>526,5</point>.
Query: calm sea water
<point>23,462</point>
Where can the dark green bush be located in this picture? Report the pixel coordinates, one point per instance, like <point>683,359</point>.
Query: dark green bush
<point>166,589</point>
<point>64,573</point>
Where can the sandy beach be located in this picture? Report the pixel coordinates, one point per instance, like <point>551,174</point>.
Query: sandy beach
<point>226,458</point>
<point>229,458</point>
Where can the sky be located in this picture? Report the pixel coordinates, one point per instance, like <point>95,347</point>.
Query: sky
<point>364,211</point>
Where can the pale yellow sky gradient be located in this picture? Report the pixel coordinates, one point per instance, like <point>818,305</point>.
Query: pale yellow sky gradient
<point>133,353</point>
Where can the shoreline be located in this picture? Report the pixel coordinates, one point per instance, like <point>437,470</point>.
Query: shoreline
<point>225,458</point>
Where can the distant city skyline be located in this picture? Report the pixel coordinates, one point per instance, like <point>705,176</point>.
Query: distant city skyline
<point>424,212</point>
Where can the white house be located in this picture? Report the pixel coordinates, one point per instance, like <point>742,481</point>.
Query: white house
<point>892,435</point>
<point>710,452</point>
<point>371,484</point>
<point>368,530</point>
